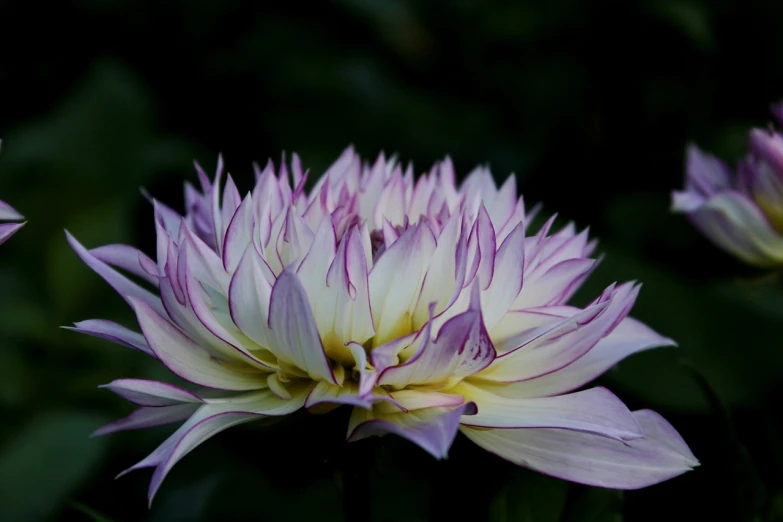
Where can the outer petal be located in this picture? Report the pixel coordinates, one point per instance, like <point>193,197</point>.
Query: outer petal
<point>8,229</point>
<point>148,417</point>
<point>124,286</point>
<point>596,410</point>
<point>294,333</point>
<point>113,332</point>
<point>432,429</point>
<point>151,393</point>
<point>210,420</point>
<point>555,285</point>
<point>8,213</point>
<point>564,343</point>
<point>128,258</point>
<point>187,359</point>
<point>591,459</point>
<point>629,337</point>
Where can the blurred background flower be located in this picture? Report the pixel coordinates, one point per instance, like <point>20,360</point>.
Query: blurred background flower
<point>742,212</point>
<point>102,97</point>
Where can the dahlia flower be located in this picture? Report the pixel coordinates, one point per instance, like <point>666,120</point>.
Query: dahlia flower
<point>422,305</point>
<point>743,212</point>
<point>7,213</point>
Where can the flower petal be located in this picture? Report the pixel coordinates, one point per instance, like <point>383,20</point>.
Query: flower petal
<point>294,334</point>
<point>113,332</point>
<point>596,410</point>
<point>147,417</point>
<point>565,342</point>
<point>248,298</point>
<point>127,289</point>
<point>462,348</point>
<point>592,459</point>
<point>151,393</point>
<point>8,213</point>
<point>211,420</point>
<point>128,258</point>
<point>629,337</point>
<point>506,279</point>
<point>432,429</point>
<point>554,286</point>
<point>395,282</point>
<point>9,229</point>
<point>238,235</point>
<point>187,359</point>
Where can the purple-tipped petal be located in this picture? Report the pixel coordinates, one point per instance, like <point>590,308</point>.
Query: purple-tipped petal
<point>462,348</point>
<point>432,429</point>
<point>482,249</point>
<point>596,410</point>
<point>8,213</point>
<point>328,393</point>
<point>9,229</point>
<point>189,360</point>
<point>128,258</point>
<point>629,337</point>
<point>196,435</point>
<point>127,289</point>
<point>113,332</point>
<point>151,393</point>
<point>561,345</point>
<point>507,277</point>
<point>211,419</point>
<point>294,334</point>
<point>554,286</point>
<point>248,298</point>
<point>148,417</point>
<point>395,282</point>
<point>592,459</point>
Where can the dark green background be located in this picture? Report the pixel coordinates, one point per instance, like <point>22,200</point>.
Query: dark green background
<point>590,102</point>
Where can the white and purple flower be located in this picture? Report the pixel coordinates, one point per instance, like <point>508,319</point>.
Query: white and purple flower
<point>422,305</point>
<point>743,212</point>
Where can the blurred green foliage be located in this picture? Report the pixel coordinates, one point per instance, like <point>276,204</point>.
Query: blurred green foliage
<point>589,102</point>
